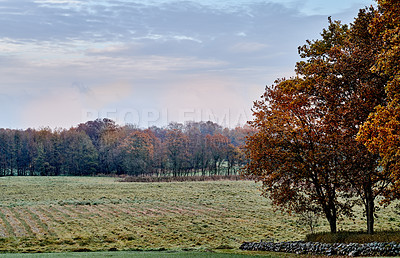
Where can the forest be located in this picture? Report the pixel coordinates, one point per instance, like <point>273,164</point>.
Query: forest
<point>101,147</point>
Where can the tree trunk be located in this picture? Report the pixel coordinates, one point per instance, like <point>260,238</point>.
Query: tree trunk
<point>332,224</point>
<point>331,215</point>
<point>369,208</point>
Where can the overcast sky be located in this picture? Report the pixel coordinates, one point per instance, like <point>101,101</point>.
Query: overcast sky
<point>150,62</point>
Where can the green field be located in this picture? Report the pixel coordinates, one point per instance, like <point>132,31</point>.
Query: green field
<point>62,214</point>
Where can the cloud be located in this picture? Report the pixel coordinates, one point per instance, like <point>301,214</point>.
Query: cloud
<point>100,96</point>
<point>109,49</point>
<point>248,47</point>
<point>313,7</point>
<point>58,31</point>
<point>210,97</point>
<point>61,109</point>
<point>81,87</point>
<point>58,57</point>
<point>9,116</point>
<point>67,106</point>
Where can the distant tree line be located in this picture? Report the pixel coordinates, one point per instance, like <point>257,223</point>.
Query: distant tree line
<point>103,147</point>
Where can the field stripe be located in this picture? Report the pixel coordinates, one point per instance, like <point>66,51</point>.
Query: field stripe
<point>52,219</point>
<point>72,224</point>
<point>95,210</point>
<point>107,210</point>
<point>16,224</point>
<point>7,226</point>
<point>66,212</point>
<point>16,212</point>
<point>3,229</point>
<point>122,212</point>
<point>173,209</point>
<point>31,221</point>
<point>82,211</point>
<point>155,212</point>
<point>117,225</point>
<point>177,209</point>
<point>60,214</point>
<point>204,210</point>
<point>84,218</point>
<point>127,216</point>
<point>89,211</point>
<point>144,210</point>
<point>49,215</point>
<point>129,212</point>
<point>40,221</point>
<point>119,216</point>
<point>84,221</point>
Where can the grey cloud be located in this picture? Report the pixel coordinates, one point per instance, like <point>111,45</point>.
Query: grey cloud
<point>127,21</point>
<point>161,30</point>
<point>166,29</point>
<point>10,106</point>
<point>81,87</point>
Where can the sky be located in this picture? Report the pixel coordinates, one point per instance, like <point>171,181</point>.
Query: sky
<point>150,62</point>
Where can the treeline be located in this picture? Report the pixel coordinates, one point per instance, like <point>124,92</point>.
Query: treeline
<point>103,147</point>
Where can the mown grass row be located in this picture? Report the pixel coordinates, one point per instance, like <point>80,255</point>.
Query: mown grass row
<point>152,179</point>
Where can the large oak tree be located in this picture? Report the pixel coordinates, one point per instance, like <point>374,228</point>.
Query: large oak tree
<point>305,151</point>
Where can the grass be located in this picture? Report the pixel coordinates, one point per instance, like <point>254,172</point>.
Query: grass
<point>72,214</point>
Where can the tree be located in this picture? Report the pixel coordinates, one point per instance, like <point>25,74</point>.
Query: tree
<point>307,126</point>
<point>290,153</point>
<point>44,152</point>
<point>94,129</point>
<point>7,152</point>
<point>176,144</point>
<point>159,136</point>
<point>196,148</point>
<point>3,152</point>
<point>381,132</point>
<point>57,157</point>
<point>218,146</point>
<point>339,68</point>
<point>233,157</point>
<point>137,150</point>
<point>41,165</point>
<point>81,155</point>
<point>110,158</point>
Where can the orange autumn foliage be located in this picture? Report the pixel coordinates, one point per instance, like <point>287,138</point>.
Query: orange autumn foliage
<point>381,132</point>
<point>305,151</point>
